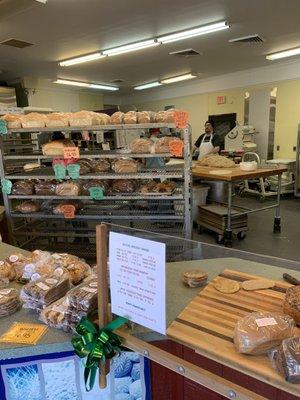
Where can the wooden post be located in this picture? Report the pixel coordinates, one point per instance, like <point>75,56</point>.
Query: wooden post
<point>103,314</point>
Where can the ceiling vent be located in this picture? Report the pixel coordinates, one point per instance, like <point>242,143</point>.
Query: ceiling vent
<point>252,39</point>
<point>185,53</point>
<point>20,44</point>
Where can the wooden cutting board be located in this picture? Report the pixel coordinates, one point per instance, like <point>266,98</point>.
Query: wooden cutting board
<point>207,324</point>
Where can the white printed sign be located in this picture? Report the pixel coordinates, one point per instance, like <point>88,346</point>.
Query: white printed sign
<point>138,280</point>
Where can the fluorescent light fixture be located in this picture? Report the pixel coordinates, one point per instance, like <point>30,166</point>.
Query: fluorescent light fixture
<point>147,85</point>
<point>284,54</point>
<point>178,78</point>
<point>81,59</point>
<point>131,47</point>
<point>85,84</point>
<point>201,30</point>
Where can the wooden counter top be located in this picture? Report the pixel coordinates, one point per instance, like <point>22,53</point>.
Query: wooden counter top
<point>236,174</point>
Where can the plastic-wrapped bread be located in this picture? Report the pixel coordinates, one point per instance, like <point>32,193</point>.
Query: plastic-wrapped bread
<point>84,296</point>
<point>130,117</point>
<point>101,165</point>
<point>45,188</point>
<point>170,116</point>
<point>18,262</point>
<point>141,146</point>
<point>286,359</point>
<point>117,118</point>
<point>67,189</point>
<point>7,270</point>
<point>147,187</point>
<point>164,187</point>
<point>56,148</point>
<point>162,145</point>
<point>259,332</point>
<point>84,118</point>
<point>57,120</point>
<point>9,301</point>
<point>85,166</point>
<point>64,259</point>
<point>104,184</point>
<point>13,121</point>
<point>104,119</point>
<point>291,305</point>
<point>23,188</point>
<point>78,271</point>
<point>33,120</point>
<point>28,207</point>
<point>125,166</point>
<point>123,186</point>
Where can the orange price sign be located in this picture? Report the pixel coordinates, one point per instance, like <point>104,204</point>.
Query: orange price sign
<point>71,152</point>
<point>176,147</point>
<point>181,119</point>
<point>68,210</point>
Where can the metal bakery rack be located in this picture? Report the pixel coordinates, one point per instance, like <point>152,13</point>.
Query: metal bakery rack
<point>165,213</point>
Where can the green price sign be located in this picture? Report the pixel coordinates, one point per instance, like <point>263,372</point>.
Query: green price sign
<point>60,171</point>
<point>96,193</point>
<point>73,170</point>
<point>6,186</point>
<point>3,127</point>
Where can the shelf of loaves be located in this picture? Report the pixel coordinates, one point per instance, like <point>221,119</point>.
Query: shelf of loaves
<point>93,128</point>
<point>132,217</point>
<point>125,196</point>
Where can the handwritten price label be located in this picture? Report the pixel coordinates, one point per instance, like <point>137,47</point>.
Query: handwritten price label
<point>6,186</point>
<point>60,171</point>
<point>176,147</point>
<point>71,152</point>
<point>68,211</point>
<point>73,170</point>
<point>181,119</point>
<point>3,127</point>
<point>24,333</point>
<point>96,193</point>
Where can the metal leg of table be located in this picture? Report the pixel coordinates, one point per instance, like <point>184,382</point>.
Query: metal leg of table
<point>277,219</point>
<point>228,231</point>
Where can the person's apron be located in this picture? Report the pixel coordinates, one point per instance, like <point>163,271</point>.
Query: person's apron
<point>205,147</point>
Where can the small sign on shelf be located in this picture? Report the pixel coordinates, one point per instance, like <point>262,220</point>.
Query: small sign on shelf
<point>181,119</point>
<point>60,171</point>
<point>73,171</point>
<point>96,192</point>
<point>6,186</point>
<point>71,152</point>
<point>68,211</point>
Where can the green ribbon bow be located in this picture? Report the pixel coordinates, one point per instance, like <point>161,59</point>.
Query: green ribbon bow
<point>98,345</point>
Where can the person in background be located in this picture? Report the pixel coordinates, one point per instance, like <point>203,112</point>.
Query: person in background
<point>208,142</point>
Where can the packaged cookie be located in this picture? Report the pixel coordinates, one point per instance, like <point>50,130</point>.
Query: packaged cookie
<point>78,271</point>
<point>64,259</point>
<point>7,271</point>
<point>84,296</point>
<point>18,261</point>
<point>9,301</point>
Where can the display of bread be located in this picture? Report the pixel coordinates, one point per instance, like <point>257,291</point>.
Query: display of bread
<point>291,305</point>
<point>56,147</point>
<point>258,332</point>
<point>141,146</point>
<point>216,161</point>
<point>125,166</point>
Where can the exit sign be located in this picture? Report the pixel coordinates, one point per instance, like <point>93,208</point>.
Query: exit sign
<point>221,100</point>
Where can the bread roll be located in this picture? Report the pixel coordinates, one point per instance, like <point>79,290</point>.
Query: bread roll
<point>56,120</point>
<point>12,121</point>
<point>117,118</point>
<point>7,270</point>
<point>56,148</point>
<point>33,120</point>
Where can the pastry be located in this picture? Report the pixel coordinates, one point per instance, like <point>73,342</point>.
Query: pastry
<point>78,270</point>
<point>291,305</point>
<point>143,117</point>
<point>7,270</point>
<point>257,284</point>
<point>195,277</point>
<point>9,301</point>
<point>226,286</point>
<point>18,262</point>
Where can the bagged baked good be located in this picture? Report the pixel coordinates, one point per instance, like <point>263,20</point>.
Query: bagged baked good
<point>45,188</point>
<point>164,187</point>
<point>291,305</point>
<point>141,146</point>
<point>143,117</point>
<point>85,166</point>
<point>162,144</point>
<point>58,209</point>
<point>56,148</point>
<point>67,189</point>
<point>104,119</point>
<point>104,184</point>
<point>125,166</point>
<point>216,161</point>
<point>259,332</point>
<point>33,120</point>
<point>7,270</point>
<point>12,121</point>
<point>64,259</point>
<point>101,165</point>
<point>117,118</point>
<point>148,187</point>
<point>57,120</point>
<point>78,271</point>
<point>31,166</point>
<point>84,296</point>
<point>23,188</point>
<point>84,118</point>
<point>123,186</point>
<point>130,117</point>
<point>194,278</point>
<point>28,207</point>
<point>286,359</point>
<point>18,262</point>
<point>9,301</point>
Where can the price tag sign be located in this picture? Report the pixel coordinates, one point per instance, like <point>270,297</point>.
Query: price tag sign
<point>60,171</point>
<point>176,147</point>
<point>3,127</point>
<point>96,193</point>
<point>68,210</point>
<point>71,152</point>
<point>24,333</point>
<point>6,186</point>
<point>73,170</point>
<point>181,119</point>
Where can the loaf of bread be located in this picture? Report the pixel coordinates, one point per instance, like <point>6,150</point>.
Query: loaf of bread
<point>117,118</point>
<point>101,165</point>
<point>85,166</point>
<point>67,189</point>
<point>286,359</point>
<point>130,117</point>
<point>7,270</point>
<point>45,188</point>
<point>141,146</point>
<point>9,301</point>
<point>104,184</point>
<point>84,118</point>
<point>57,120</point>
<point>23,188</point>
<point>84,296</point>
<point>56,148</point>
<point>160,117</point>
<point>76,269</point>
<point>104,119</point>
<point>123,186</point>
<point>33,120</point>
<point>259,332</point>
<point>28,207</point>
<point>162,145</point>
<point>18,262</point>
<point>125,166</point>
<point>157,187</point>
<point>143,117</point>
<point>12,121</point>
<point>291,305</point>
<point>216,161</point>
